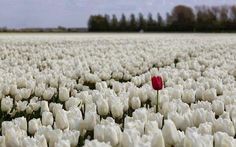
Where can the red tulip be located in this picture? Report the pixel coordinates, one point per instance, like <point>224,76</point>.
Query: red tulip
<point>157,82</point>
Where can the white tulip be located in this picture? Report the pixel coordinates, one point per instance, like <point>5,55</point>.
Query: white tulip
<point>18,96</point>
<point>74,116</point>
<point>102,106</point>
<point>199,93</point>
<point>55,135</point>
<point>44,106</point>
<point>34,125</point>
<point>205,128</point>
<point>135,103</point>
<point>39,90</point>
<point>41,140</point>
<point>12,138</point>
<point>2,141</point>
<point>48,94</point>
<point>117,109</point>
<point>25,93</point>
<point>54,82</point>
<point>72,136</point>
<point>29,142</point>
<point>209,95</point>
<point>13,90</point>
<point>222,139</point>
<point>130,138</point>
<point>90,121</point>
<point>72,102</point>
<point>143,95</point>
<point>62,143</point>
<point>158,140</point>
<point>188,96</point>
<point>141,114</point>
<point>35,105</point>
<point>110,135</point>
<point>194,139</point>
<point>21,123</point>
<point>6,90</point>
<point>44,131</point>
<point>63,94</point>
<point>61,120</point>
<point>6,104</point>
<point>6,125</point>
<point>224,125</point>
<point>151,127</point>
<point>21,106</point>
<point>218,107</point>
<point>95,143</point>
<point>170,133</point>
<point>21,83</point>
<point>47,118</point>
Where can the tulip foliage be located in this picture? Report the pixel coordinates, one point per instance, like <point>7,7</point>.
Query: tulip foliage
<point>124,90</point>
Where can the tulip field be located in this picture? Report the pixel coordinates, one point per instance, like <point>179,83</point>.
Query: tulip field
<point>117,90</point>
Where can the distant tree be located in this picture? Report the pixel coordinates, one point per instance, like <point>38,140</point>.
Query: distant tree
<point>233,13</point>
<point>132,23</point>
<point>107,22</point>
<point>233,17</point>
<point>97,23</point>
<point>160,22</point>
<point>123,23</point>
<point>141,22</point>
<point>114,23</point>
<point>151,23</point>
<point>206,18</point>
<point>182,18</point>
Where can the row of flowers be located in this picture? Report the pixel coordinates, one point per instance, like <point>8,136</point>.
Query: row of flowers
<point>76,91</point>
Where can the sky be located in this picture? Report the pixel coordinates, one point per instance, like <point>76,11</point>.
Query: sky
<point>75,13</point>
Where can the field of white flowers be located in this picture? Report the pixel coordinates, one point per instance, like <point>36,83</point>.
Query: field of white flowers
<point>95,90</point>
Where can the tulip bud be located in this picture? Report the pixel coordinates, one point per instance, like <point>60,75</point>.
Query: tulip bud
<point>6,104</point>
<point>21,123</point>
<point>209,95</point>
<point>44,106</point>
<point>48,94</point>
<point>21,106</point>
<point>72,136</point>
<point>2,141</point>
<point>62,143</point>
<point>157,82</point>
<point>21,83</point>
<point>25,93</point>
<point>218,107</point>
<point>102,106</point>
<point>158,140</point>
<point>12,138</point>
<point>170,133</point>
<point>117,109</point>
<point>34,125</point>
<point>47,118</point>
<point>13,90</point>
<point>135,102</point>
<point>188,96</point>
<point>90,121</point>
<point>63,94</point>
<point>61,120</point>
<point>72,102</point>
<point>6,90</point>
<point>39,90</point>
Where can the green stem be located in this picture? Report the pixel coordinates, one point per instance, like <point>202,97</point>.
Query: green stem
<point>157,102</point>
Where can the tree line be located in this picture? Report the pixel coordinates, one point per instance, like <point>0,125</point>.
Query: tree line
<point>181,19</point>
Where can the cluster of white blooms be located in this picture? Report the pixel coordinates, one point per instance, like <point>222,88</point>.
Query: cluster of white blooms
<point>95,90</point>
